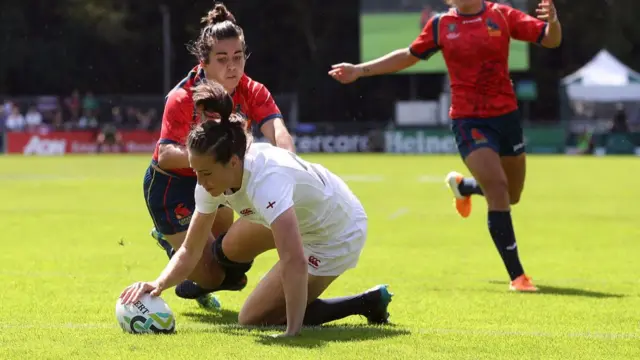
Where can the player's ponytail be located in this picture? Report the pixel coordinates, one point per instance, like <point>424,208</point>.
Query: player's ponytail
<point>220,24</point>
<point>218,14</point>
<point>221,139</point>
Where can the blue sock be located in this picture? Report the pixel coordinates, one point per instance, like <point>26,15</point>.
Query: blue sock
<point>504,237</point>
<point>469,186</point>
<point>167,248</point>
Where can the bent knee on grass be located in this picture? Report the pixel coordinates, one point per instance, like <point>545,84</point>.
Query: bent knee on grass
<point>266,305</point>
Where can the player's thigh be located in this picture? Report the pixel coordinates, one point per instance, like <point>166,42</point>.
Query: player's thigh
<point>169,200</point>
<point>266,305</point>
<point>223,221</point>
<point>485,166</point>
<point>478,143</point>
<point>512,152</point>
<point>208,273</point>
<point>327,259</point>
<point>515,168</point>
<point>246,240</point>
<point>473,134</point>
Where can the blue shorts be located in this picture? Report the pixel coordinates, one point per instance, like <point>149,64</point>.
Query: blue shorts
<point>170,200</point>
<point>502,133</point>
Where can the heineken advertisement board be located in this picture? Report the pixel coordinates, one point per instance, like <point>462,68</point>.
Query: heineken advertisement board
<point>549,140</point>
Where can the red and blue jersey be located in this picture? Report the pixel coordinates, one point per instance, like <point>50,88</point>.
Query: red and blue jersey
<point>476,51</point>
<point>251,99</point>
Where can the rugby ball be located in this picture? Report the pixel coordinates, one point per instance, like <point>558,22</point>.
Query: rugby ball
<point>149,315</point>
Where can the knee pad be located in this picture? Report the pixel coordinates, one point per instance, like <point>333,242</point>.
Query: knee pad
<point>233,270</point>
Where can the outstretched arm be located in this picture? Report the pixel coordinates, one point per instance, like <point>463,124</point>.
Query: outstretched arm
<point>553,35</point>
<point>425,45</point>
<point>181,264</point>
<point>294,268</point>
<point>277,133</point>
<point>545,30</point>
<point>273,198</point>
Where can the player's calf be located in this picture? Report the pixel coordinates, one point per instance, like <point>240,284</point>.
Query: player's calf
<point>235,278</point>
<point>372,304</point>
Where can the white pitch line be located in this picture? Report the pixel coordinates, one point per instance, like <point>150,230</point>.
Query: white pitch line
<point>533,334</point>
<point>398,213</point>
<point>38,177</point>
<point>103,275</point>
<point>347,328</point>
<point>432,179</point>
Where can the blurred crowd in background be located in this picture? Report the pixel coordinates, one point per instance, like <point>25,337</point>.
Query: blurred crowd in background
<point>76,111</point>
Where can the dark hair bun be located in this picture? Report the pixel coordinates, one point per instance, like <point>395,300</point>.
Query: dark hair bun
<point>218,14</point>
<point>209,125</point>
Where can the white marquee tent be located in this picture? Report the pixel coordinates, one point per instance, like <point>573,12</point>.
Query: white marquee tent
<point>603,79</point>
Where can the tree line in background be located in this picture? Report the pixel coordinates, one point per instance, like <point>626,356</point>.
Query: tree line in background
<point>115,46</point>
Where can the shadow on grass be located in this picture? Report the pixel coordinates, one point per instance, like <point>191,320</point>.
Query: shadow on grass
<point>226,322</point>
<point>568,291</point>
<point>222,317</point>
<point>318,336</point>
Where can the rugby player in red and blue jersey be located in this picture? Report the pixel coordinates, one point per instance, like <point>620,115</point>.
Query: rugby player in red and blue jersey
<point>169,182</point>
<point>474,37</point>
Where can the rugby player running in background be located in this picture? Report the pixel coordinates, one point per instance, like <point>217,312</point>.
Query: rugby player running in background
<point>169,182</point>
<point>474,37</point>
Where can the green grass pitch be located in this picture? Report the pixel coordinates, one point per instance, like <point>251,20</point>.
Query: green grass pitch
<point>383,33</point>
<point>76,233</point>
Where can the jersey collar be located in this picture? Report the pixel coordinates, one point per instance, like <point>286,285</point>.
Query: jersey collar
<point>484,7</point>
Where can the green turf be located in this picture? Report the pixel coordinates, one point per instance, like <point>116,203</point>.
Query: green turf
<point>76,233</point>
<point>383,33</point>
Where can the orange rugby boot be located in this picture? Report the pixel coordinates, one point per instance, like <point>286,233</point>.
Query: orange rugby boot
<point>522,284</point>
<point>461,202</point>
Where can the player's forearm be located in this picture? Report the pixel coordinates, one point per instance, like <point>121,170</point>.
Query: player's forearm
<point>553,36</point>
<point>294,282</point>
<point>181,265</point>
<point>173,156</point>
<point>186,258</point>
<point>390,63</point>
<point>285,141</point>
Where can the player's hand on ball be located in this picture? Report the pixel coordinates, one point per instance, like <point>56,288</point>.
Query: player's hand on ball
<point>134,292</point>
<point>345,73</point>
<point>547,11</point>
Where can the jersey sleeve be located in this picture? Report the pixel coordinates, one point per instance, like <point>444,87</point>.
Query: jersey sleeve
<point>272,196</point>
<point>524,27</point>
<point>205,203</point>
<point>427,43</point>
<point>261,105</point>
<point>177,118</point>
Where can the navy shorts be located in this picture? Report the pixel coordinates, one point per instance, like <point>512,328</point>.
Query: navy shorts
<point>170,200</point>
<point>502,133</point>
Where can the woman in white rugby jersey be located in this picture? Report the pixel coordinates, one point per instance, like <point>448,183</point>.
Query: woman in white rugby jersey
<point>319,226</point>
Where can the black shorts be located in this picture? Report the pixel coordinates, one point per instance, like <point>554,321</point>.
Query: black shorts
<point>502,133</point>
<point>170,200</point>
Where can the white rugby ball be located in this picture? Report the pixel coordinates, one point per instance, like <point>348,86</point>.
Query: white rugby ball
<point>149,315</point>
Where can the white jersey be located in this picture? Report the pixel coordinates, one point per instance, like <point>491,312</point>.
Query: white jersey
<point>274,180</point>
